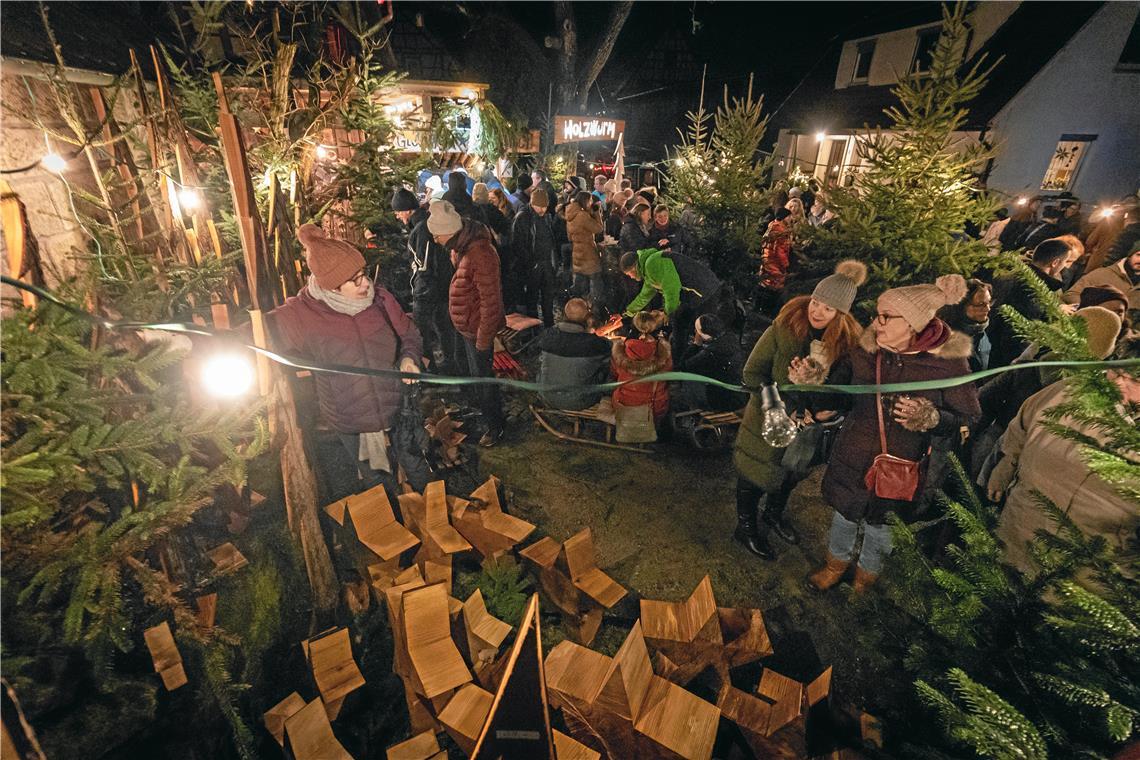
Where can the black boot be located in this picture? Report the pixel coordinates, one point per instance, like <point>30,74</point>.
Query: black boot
<point>747,528</point>
<point>775,504</point>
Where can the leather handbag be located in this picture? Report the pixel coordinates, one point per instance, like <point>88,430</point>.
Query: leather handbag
<point>890,477</point>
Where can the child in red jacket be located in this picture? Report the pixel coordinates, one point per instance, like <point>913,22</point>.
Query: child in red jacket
<point>644,355</point>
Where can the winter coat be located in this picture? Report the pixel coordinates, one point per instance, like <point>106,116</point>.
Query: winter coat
<point>1113,275</point>
<point>431,265</point>
<point>1125,243</point>
<point>719,359</point>
<point>638,357</point>
<point>1006,345</point>
<point>633,238</point>
<point>475,300</point>
<point>755,459</point>
<point>581,227</point>
<point>777,253</point>
<point>462,202</point>
<point>526,243</point>
<point>955,316</point>
<point>614,223</point>
<point>493,218</point>
<point>569,354</point>
<point>1038,460</point>
<point>858,442</point>
<point>378,337</point>
<point>1014,234</point>
<point>671,274</point>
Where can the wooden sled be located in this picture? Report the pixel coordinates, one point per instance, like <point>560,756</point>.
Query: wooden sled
<point>601,413</point>
<point>705,430</point>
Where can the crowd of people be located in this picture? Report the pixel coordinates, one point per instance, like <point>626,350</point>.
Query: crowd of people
<point>575,259</point>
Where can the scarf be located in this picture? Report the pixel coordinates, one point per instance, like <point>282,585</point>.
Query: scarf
<point>339,303</point>
<point>373,446</point>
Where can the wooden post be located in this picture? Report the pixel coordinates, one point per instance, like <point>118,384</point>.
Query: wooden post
<point>23,250</point>
<point>300,482</point>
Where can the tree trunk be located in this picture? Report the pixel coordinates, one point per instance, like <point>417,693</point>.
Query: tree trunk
<point>568,53</point>
<point>619,12</point>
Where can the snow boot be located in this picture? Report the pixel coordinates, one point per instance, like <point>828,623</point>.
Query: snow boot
<point>830,574</point>
<point>775,504</point>
<point>863,579</point>
<point>748,528</point>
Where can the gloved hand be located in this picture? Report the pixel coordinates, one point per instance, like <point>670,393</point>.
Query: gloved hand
<point>916,414</point>
<point>1000,478</point>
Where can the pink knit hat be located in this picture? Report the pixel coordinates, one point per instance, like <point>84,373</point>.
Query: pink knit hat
<point>332,262</point>
<point>917,304</point>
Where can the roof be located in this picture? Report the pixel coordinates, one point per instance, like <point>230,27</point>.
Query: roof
<point>1032,35</point>
<point>422,55</point>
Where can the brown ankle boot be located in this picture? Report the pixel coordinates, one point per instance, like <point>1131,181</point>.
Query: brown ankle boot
<point>863,580</point>
<point>828,575</point>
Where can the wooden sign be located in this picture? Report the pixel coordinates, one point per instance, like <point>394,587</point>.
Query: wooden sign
<point>568,129</point>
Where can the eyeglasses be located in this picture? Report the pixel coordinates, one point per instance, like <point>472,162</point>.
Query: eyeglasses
<point>882,319</point>
<point>359,278</point>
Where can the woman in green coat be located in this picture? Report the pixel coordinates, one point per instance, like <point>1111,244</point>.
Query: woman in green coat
<point>809,343</point>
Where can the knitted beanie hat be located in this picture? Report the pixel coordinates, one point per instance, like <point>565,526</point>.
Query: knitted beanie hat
<point>404,200</point>
<point>332,262</point>
<point>480,193</point>
<point>1103,327</point>
<point>538,197</point>
<point>444,219</point>
<point>838,290</point>
<point>917,304</point>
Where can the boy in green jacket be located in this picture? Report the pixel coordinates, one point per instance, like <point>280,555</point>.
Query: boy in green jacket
<point>687,286</point>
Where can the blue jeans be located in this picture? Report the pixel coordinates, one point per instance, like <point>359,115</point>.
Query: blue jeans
<point>876,542</point>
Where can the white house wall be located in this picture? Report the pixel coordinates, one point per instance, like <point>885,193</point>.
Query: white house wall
<point>1078,92</point>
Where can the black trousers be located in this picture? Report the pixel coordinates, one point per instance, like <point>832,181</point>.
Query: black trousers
<point>748,496</point>
<point>434,323</point>
<point>485,396</point>
<point>540,287</point>
<point>684,319</point>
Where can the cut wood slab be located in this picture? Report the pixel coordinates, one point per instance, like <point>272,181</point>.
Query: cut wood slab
<point>207,605</point>
<point>678,721</point>
<point>164,653</point>
<point>334,669</point>
<point>423,746</point>
<point>226,558</point>
<point>568,748</point>
<point>578,552</point>
<point>482,521</point>
<point>276,716</point>
<point>436,664</point>
<point>575,674</point>
<point>465,714</point>
<point>310,734</point>
<point>376,524</point>
<point>436,527</point>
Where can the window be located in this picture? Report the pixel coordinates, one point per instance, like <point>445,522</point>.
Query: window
<point>924,49</point>
<point>1066,161</point>
<point>864,52</point>
<point>1130,55</point>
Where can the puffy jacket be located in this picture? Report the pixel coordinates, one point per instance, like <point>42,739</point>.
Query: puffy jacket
<point>639,357</point>
<point>858,442</point>
<point>524,234</point>
<point>431,266</point>
<point>633,238</point>
<point>671,273</point>
<point>1007,345</point>
<point>777,251</point>
<point>1038,460</point>
<point>582,226</point>
<point>475,300</point>
<point>719,359</point>
<point>571,355</point>
<point>378,337</point>
<point>1113,275</point>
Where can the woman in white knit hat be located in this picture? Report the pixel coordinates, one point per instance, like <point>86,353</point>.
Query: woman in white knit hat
<point>877,464</point>
<point>809,342</point>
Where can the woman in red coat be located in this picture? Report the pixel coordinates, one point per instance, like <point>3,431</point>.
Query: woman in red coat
<point>341,317</point>
<point>637,357</point>
<point>774,266</point>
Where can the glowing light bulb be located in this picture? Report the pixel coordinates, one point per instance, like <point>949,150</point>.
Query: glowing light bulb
<point>324,152</point>
<point>820,136</point>
<point>1022,201</point>
<point>228,375</point>
<point>189,198</point>
<point>777,428</point>
<point>54,162</point>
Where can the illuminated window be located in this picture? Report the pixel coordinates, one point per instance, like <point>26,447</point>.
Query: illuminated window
<point>864,52</point>
<point>1066,161</point>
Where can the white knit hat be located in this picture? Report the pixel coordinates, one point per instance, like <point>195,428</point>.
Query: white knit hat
<point>444,219</point>
<point>917,304</point>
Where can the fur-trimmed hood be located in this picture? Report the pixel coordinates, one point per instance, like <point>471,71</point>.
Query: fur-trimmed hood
<point>957,346</point>
<point>628,358</point>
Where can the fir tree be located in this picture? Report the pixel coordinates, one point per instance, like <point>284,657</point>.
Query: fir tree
<point>917,193</point>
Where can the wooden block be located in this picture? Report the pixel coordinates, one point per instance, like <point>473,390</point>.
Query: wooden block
<point>785,694</point>
<point>336,511</point>
<point>376,525</point>
<point>332,709</point>
<point>820,688</point>
<point>751,713</point>
<point>311,736</point>
<point>393,597</point>
<point>437,527</point>
<point>163,651</point>
<point>207,605</point>
<point>483,629</point>
<point>436,663</point>
<point>678,720</point>
<point>627,682</point>
<point>543,552</point>
<point>422,746</point>
<point>226,559</point>
<point>276,716</point>
<point>465,714</point>
<point>744,634</point>
<point>334,669</point>
<point>576,673</point>
<point>600,587</point>
<point>680,621</point>
<point>510,527</point>
<point>567,748</point>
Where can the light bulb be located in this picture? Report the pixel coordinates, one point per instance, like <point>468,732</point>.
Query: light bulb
<point>777,428</point>
<point>324,152</point>
<point>820,136</point>
<point>1022,201</point>
<point>54,162</point>
<point>189,198</point>
<point>228,375</point>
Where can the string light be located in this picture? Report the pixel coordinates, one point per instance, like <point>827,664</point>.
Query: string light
<point>189,198</point>
<point>1022,201</point>
<point>228,375</point>
<point>820,136</point>
<point>54,162</point>
<point>324,152</point>
<point>777,427</point>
